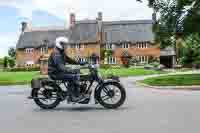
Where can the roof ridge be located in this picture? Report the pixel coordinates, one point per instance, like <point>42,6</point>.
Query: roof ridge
<point>129,21</point>
<point>86,21</point>
<point>46,28</point>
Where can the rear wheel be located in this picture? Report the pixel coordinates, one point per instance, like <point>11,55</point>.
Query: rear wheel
<point>46,97</point>
<point>111,95</point>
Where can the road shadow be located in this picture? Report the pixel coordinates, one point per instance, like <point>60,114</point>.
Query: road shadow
<point>80,109</point>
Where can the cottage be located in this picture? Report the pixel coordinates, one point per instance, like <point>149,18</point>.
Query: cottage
<point>87,37</point>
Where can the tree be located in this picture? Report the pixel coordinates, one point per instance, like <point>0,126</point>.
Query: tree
<point>12,52</point>
<point>177,15</point>
<point>5,62</point>
<point>192,19</point>
<point>191,50</point>
<point>178,18</point>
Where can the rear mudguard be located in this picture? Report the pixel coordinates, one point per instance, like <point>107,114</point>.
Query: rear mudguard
<point>99,86</point>
<point>36,84</point>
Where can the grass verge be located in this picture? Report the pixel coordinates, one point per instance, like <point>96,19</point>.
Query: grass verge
<point>173,80</point>
<point>18,78</point>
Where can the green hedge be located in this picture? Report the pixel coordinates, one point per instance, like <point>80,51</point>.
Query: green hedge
<point>107,66</point>
<point>21,69</point>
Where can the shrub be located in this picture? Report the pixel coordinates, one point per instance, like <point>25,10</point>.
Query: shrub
<point>134,61</point>
<point>196,64</point>
<point>153,59</point>
<point>11,62</point>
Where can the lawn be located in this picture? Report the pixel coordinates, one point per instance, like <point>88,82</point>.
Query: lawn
<point>10,78</point>
<point>125,72</point>
<point>174,80</point>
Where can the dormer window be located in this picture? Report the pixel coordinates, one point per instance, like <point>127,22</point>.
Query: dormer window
<point>125,45</point>
<point>29,50</point>
<point>78,45</point>
<point>142,45</point>
<point>108,45</point>
<point>84,45</point>
<point>43,50</point>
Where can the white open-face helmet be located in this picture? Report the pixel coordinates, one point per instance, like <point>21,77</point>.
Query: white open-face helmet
<point>61,41</point>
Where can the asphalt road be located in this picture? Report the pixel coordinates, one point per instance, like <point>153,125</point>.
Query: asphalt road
<point>145,111</point>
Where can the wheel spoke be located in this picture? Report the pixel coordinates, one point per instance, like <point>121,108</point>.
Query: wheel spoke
<point>106,90</point>
<point>106,98</point>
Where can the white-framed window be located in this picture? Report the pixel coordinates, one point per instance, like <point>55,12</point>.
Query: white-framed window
<point>111,60</point>
<point>106,36</point>
<point>29,63</point>
<point>142,59</point>
<point>29,50</point>
<point>81,59</point>
<point>125,45</point>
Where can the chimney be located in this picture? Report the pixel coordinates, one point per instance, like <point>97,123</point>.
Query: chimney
<point>72,19</point>
<point>24,26</point>
<point>100,16</point>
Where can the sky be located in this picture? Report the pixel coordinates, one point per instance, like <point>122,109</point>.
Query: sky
<point>56,12</point>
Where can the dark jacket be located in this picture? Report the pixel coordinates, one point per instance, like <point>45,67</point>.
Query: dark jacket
<point>57,61</point>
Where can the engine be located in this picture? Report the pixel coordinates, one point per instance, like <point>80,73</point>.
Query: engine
<point>83,87</point>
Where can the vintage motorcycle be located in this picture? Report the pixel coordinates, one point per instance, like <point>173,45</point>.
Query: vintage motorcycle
<point>109,92</point>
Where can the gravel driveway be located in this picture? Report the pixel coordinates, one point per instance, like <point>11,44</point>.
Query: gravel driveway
<point>145,111</point>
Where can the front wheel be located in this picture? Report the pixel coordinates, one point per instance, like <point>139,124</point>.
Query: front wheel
<point>111,95</point>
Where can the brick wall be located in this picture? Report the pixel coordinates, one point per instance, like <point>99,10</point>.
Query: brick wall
<point>90,49</point>
<point>83,52</point>
<point>152,51</point>
<point>118,52</point>
<point>22,57</point>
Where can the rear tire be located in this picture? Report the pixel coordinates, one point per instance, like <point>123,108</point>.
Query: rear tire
<point>41,104</point>
<point>114,105</point>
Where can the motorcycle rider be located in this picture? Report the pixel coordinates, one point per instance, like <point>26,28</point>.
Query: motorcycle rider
<point>58,71</point>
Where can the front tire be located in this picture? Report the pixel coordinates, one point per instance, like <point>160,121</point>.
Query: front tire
<point>109,94</point>
<point>40,102</point>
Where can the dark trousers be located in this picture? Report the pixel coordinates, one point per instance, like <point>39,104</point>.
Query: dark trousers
<point>73,78</point>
